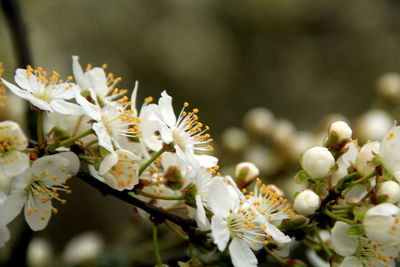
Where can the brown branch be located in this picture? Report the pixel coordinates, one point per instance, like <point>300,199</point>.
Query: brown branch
<point>158,214</point>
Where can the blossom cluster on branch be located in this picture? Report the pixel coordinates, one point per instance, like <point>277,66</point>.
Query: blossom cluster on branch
<point>157,160</point>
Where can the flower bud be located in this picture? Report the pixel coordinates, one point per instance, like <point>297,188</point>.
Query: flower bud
<point>234,139</point>
<point>389,86</point>
<point>365,156</point>
<point>246,171</point>
<point>174,178</point>
<point>374,125</point>
<point>317,162</point>
<point>83,247</point>
<point>39,253</point>
<point>306,202</point>
<point>341,130</point>
<point>259,121</point>
<point>389,191</point>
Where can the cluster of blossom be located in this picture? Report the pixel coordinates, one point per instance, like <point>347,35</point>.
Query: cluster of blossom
<point>149,152</point>
<point>354,193</point>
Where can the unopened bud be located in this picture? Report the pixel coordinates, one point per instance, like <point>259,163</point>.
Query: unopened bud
<point>174,178</point>
<point>341,131</point>
<point>234,139</point>
<point>190,192</point>
<point>306,202</point>
<point>374,125</point>
<point>39,253</point>
<point>259,121</point>
<point>317,162</point>
<point>294,223</point>
<point>365,156</point>
<point>246,171</point>
<point>389,86</point>
<point>389,191</point>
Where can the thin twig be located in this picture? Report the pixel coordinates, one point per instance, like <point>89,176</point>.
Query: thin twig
<point>159,214</point>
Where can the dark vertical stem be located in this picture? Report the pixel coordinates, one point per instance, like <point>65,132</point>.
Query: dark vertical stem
<point>18,31</point>
<point>12,12</point>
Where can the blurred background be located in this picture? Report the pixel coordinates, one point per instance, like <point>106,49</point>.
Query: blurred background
<point>299,60</point>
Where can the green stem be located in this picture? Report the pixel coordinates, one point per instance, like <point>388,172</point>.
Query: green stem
<point>156,248</point>
<point>68,142</point>
<point>275,256</point>
<point>40,128</point>
<point>87,158</point>
<point>364,178</point>
<point>91,143</point>
<point>145,194</point>
<point>337,217</point>
<point>151,159</point>
<point>176,231</point>
<point>321,241</point>
<point>31,150</point>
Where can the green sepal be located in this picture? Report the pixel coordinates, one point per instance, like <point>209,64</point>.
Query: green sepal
<point>294,223</point>
<point>190,192</point>
<point>104,152</point>
<point>301,177</point>
<point>356,230</point>
<point>359,213</point>
<point>174,178</point>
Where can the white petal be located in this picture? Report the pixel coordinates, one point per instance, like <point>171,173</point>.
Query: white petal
<point>384,209</point>
<point>390,146</point>
<point>315,259</point>
<point>351,262</point>
<point>108,162</point>
<point>12,207</point>
<point>103,136</point>
<point>276,234</point>
<point>95,174</point>
<point>91,110</point>
<point>78,73</point>
<point>74,162</point>
<point>166,109</point>
<point>206,161</point>
<point>219,232</point>
<point>37,220</point>
<point>201,213</point>
<point>4,235</point>
<point>66,108</point>
<point>343,244</point>
<point>133,97</point>
<point>22,80</point>
<point>219,198</point>
<point>18,163</point>
<point>98,81</point>
<point>241,254</point>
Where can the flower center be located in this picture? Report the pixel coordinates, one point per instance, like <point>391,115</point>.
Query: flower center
<point>6,146</point>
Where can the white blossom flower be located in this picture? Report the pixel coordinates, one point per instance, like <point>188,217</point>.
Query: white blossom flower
<point>359,251</point>
<point>233,219</point>
<point>37,186</point>
<point>272,208</point>
<point>202,181</point>
<point>45,93</point>
<point>317,161</point>
<point>306,202</point>
<point>12,143</point>
<point>185,132</point>
<point>111,120</point>
<point>382,224</point>
<point>247,220</point>
<point>119,169</point>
